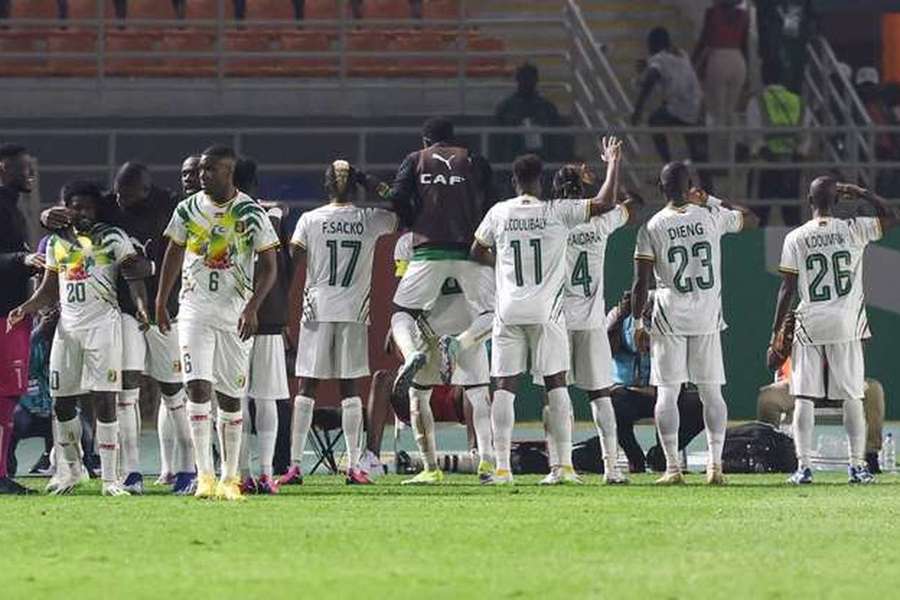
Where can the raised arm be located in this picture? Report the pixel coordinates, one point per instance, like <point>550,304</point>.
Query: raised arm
<point>887,216</point>
<point>643,271</point>
<point>702,198</point>
<point>168,275</point>
<point>611,153</point>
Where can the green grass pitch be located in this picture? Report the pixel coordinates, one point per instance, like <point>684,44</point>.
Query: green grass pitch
<point>755,538</point>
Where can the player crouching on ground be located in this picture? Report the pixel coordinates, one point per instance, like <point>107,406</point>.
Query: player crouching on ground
<point>223,244</point>
<point>585,312</point>
<point>83,263</point>
<point>525,238</point>
<point>680,247</point>
<point>336,243</point>
<point>822,263</point>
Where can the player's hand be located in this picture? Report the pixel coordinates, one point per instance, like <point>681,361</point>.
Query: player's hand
<point>162,318</point>
<point>16,316</point>
<point>248,323</point>
<point>286,337</point>
<point>774,360</point>
<point>642,340</point>
<point>698,196</point>
<point>143,318</point>
<point>851,190</point>
<point>57,217</point>
<point>610,147</point>
<point>35,261</point>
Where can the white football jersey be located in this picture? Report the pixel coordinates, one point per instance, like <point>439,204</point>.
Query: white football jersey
<point>529,238</point>
<point>585,306</point>
<point>451,313</point>
<point>221,242</point>
<point>827,257</point>
<point>684,244</point>
<point>88,265</point>
<point>340,240</point>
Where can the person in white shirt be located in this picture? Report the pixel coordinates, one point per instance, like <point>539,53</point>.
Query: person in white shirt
<point>525,239</point>
<point>585,312</point>
<point>822,263</point>
<point>679,247</point>
<point>336,242</point>
<point>216,236</point>
<point>83,264</point>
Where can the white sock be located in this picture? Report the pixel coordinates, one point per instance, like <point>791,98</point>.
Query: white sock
<point>855,425</point>
<point>266,432</point>
<point>302,421</point>
<point>404,331</point>
<point>244,458</point>
<point>69,439</point>
<point>107,447</point>
<point>549,438</point>
<point>166,434</point>
<point>503,419</point>
<point>605,421</point>
<point>479,398</point>
<point>201,436</point>
<point>560,406</point>
<point>477,332</point>
<point>176,407</point>
<point>352,424</point>
<point>423,425</point>
<point>667,423</point>
<point>232,425</point>
<point>804,423</point>
<point>126,415</point>
<point>715,419</point>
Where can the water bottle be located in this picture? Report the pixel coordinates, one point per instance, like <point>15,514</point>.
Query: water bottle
<point>888,458</point>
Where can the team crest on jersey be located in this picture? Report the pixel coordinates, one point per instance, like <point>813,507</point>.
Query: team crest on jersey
<point>176,366</point>
<point>241,381</point>
<point>240,227</point>
<point>112,375</point>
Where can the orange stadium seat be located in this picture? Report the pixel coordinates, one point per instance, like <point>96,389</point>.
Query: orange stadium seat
<point>321,9</point>
<point>248,41</point>
<point>386,9</point>
<point>440,9</point>
<point>87,9</point>
<point>133,41</point>
<point>368,66</point>
<point>270,10</point>
<point>322,66</point>
<point>424,66</point>
<point>487,66</point>
<point>34,9</point>
<point>152,9</point>
<point>22,41</point>
<point>72,41</point>
<point>185,40</point>
<point>206,9</point>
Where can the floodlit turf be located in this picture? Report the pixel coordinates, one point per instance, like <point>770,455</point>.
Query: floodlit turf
<point>756,538</point>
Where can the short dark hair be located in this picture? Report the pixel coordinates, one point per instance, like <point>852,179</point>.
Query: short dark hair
<point>526,70</point>
<point>11,151</point>
<point>220,151</point>
<point>131,172</point>
<point>672,178</point>
<point>568,182</point>
<point>659,39</point>
<point>438,129</point>
<point>245,173</point>
<point>81,187</point>
<point>528,168</point>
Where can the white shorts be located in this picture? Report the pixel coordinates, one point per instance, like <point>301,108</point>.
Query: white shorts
<point>163,355</point>
<point>591,360</point>
<point>832,371</point>
<point>546,345</point>
<point>215,355</point>
<point>268,370</point>
<point>134,347</point>
<point>86,360</point>
<point>677,359</point>
<point>333,350</point>
<point>421,284</point>
<point>471,368</point>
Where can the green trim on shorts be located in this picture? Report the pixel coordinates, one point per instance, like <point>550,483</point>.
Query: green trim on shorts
<point>440,254</point>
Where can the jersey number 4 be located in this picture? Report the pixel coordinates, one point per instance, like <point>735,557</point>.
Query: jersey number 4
<point>517,261</point>
<point>680,257</point>
<point>355,248</point>
<point>843,278</point>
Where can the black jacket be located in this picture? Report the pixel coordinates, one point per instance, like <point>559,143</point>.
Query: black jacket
<point>13,249</point>
<point>273,313</point>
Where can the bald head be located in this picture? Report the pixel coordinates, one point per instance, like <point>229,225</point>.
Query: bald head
<point>675,181</point>
<point>823,193</point>
<point>132,184</point>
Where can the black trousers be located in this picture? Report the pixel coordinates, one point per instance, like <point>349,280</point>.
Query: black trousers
<point>631,405</point>
<point>780,185</point>
<point>26,425</point>
<point>697,143</point>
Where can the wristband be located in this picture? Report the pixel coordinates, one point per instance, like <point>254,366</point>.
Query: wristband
<point>713,201</point>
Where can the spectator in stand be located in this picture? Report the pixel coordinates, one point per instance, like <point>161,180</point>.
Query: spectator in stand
<point>526,107</point>
<point>682,97</point>
<point>869,89</point>
<point>634,399</point>
<point>785,28</point>
<point>777,106</point>
<point>775,405</point>
<point>721,60</point>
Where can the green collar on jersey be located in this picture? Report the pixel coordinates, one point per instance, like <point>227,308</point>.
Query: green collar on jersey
<point>440,254</point>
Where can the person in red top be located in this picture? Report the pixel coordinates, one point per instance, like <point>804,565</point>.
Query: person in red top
<point>721,60</point>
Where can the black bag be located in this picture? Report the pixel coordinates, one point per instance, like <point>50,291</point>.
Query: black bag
<point>758,448</point>
<point>587,456</point>
<point>529,457</point>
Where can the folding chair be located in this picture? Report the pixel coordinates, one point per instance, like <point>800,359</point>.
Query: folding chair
<point>326,421</point>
